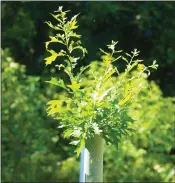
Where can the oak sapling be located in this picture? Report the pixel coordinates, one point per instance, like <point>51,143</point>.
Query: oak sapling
<point>101,106</point>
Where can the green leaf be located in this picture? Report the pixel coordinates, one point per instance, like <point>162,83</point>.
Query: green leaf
<point>71,45</point>
<point>76,133</point>
<point>61,126</point>
<point>74,86</point>
<point>56,82</point>
<point>126,99</point>
<point>79,149</point>
<point>55,106</point>
<point>74,17</point>
<point>75,142</point>
<point>84,51</point>
<point>57,17</point>
<point>73,22</point>
<point>96,128</point>
<point>132,66</point>
<point>52,26</point>
<point>67,133</point>
<point>53,56</point>
<point>75,35</point>
<point>112,45</point>
<point>105,93</point>
<point>61,36</point>
<point>53,40</point>
<point>60,66</point>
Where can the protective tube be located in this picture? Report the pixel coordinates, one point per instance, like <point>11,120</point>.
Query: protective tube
<point>84,164</point>
<point>95,146</point>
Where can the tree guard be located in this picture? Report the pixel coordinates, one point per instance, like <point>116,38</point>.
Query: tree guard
<point>91,169</point>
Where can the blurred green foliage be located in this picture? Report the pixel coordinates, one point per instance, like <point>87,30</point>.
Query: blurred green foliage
<point>31,143</point>
<point>32,147</point>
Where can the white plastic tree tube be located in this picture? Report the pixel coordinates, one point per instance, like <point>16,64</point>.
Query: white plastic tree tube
<point>95,147</point>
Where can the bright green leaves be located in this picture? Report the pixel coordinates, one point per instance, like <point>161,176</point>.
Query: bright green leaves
<point>125,99</point>
<point>132,63</point>
<point>55,106</point>
<point>58,18</point>
<point>73,24</point>
<point>130,67</point>
<point>66,37</point>
<point>56,82</point>
<point>96,129</point>
<point>112,45</point>
<point>81,145</point>
<point>52,26</point>
<point>75,35</point>
<point>72,132</point>
<point>67,133</point>
<point>141,67</point>
<point>97,104</point>
<point>109,58</point>
<point>74,86</point>
<point>53,56</point>
<point>75,142</point>
<point>75,133</point>
<point>53,40</point>
<point>77,46</point>
<point>135,53</point>
<point>154,65</point>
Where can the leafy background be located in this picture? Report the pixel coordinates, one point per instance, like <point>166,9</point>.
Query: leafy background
<point>33,149</point>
